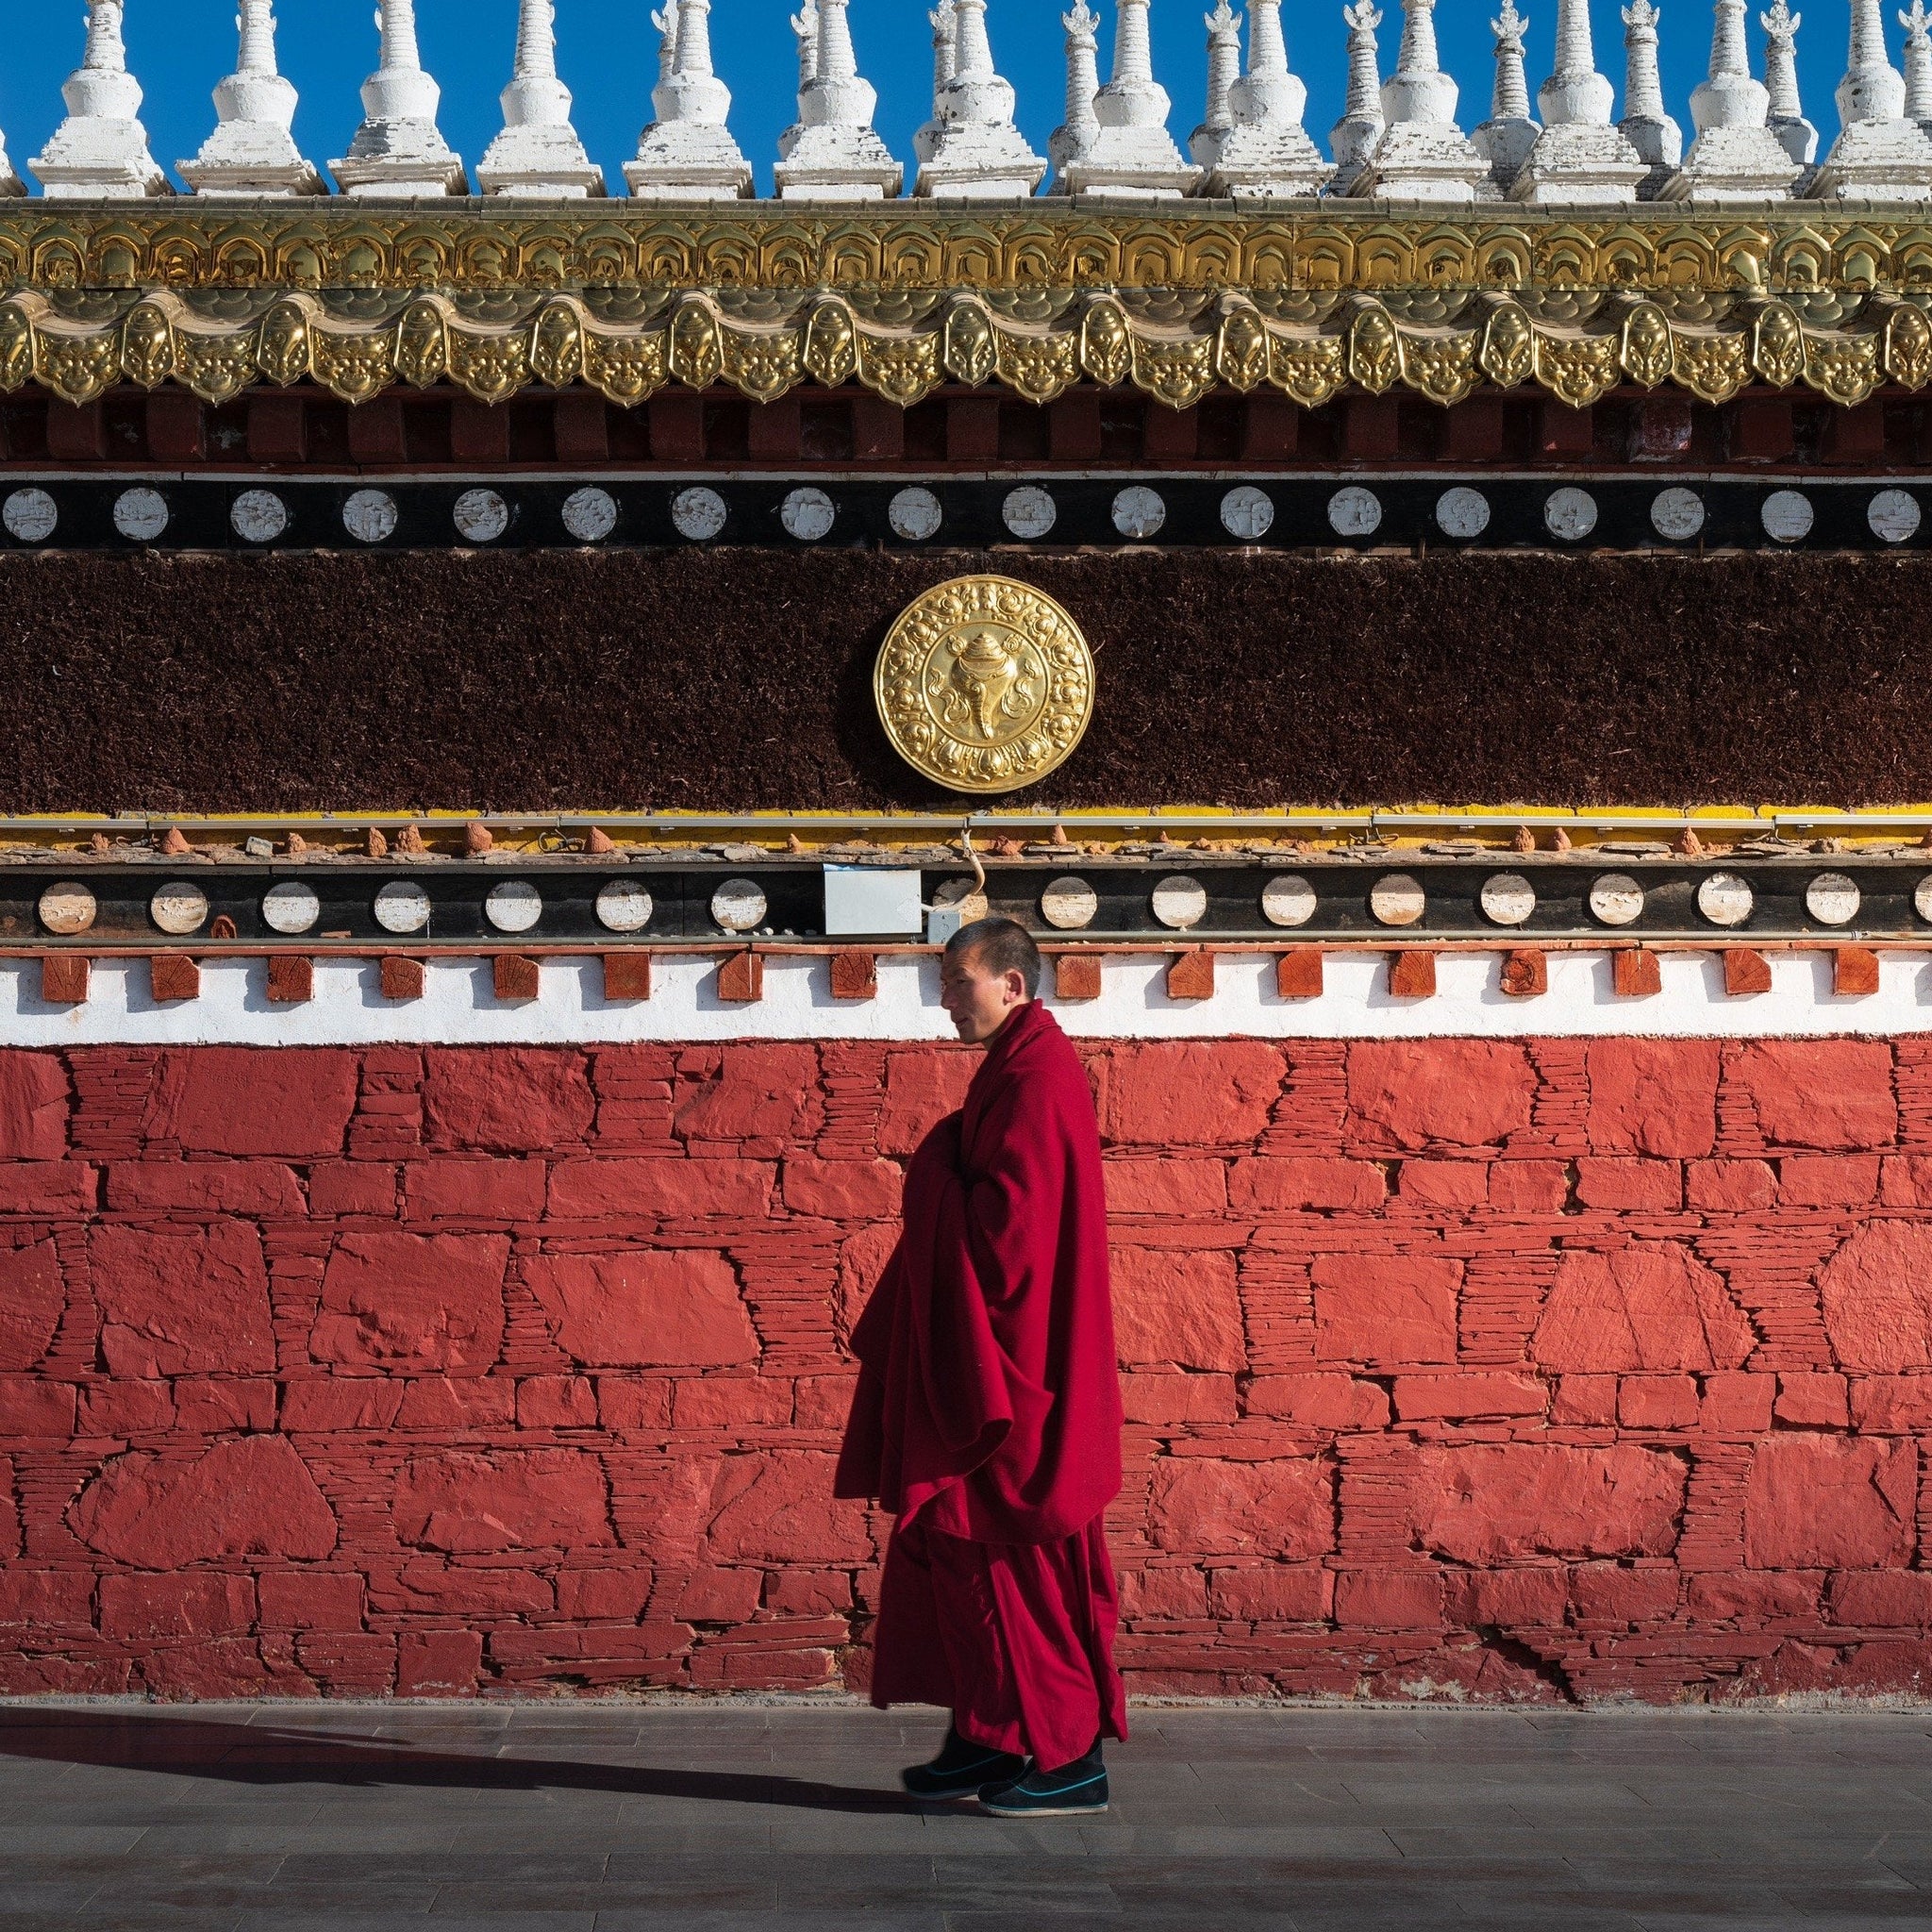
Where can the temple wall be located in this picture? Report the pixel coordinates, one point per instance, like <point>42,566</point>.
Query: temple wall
<point>1508,1368</point>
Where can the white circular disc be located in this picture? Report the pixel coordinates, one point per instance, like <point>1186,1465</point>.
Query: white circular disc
<point>482,516</point>
<point>370,516</point>
<point>1069,903</point>
<point>1463,512</point>
<point>291,908</point>
<point>1028,512</point>
<point>141,514</point>
<point>1397,900</point>
<point>1725,899</point>
<point>401,906</point>
<point>31,515</point>
<point>806,514</point>
<point>1247,513</point>
<point>67,907</point>
<point>590,515</point>
<point>1786,516</point>
<point>1616,899</point>
<point>1922,897</point>
<point>624,906</point>
<point>1570,514</point>
<point>1832,899</point>
<point>1138,511</point>
<point>1677,514</point>
<point>257,516</point>
<point>699,513</point>
<point>1289,900</point>
<point>738,905</point>
<point>178,908</point>
<point>1893,515</point>
<point>914,514</point>
<point>1355,511</point>
<point>1179,902</point>
<point>515,906</point>
<point>1508,899</point>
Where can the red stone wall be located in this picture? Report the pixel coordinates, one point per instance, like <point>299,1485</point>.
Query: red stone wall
<point>1505,1369</point>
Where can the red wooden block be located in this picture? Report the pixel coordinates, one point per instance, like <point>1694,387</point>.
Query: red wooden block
<point>375,431</point>
<point>76,432</point>
<point>582,426</point>
<point>65,978</point>
<point>1745,971</point>
<point>402,978</point>
<point>878,428</point>
<point>741,978</point>
<point>1635,975</point>
<point>1271,428</point>
<point>1298,974</point>
<point>175,977</point>
<point>1076,976</point>
<point>677,428</point>
<point>626,975</point>
<point>1525,972</point>
<point>277,429</point>
<point>1170,436</point>
<point>290,980</point>
<point>478,432</point>
<point>1562,431</point>
<point>174,427</point>
<point>973,429</point>
<point>771,431</point>
<point>1854,972</point>
<point>1191,976</point>
<point>1412,973</point>
<point>516,976</point>
<point>1072,426</point>
<point>854,975</point>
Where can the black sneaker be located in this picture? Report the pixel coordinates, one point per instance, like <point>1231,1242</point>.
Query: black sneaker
<point>960,1769</point>
<point>1075,1790</point>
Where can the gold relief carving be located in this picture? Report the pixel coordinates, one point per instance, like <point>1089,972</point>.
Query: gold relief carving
<point>1037,367</point>
<point>76,368</point>
<point>355,367</point>
<point>1777,346</point>
<point>1576,369</point>
<point>626,369</point>
<point>1106,346</point>
<point>829,354</point>
<point>1240,352</point>
<point>491,367</point>
<point>1508,352</point>
<point>1442,367</point>
<point>970,352</point>
<point>557,345</point>
<point>763,363</point>
<point>984,684</point>
<point>282,350</point>
<point>215,368</point>
<point>903,369</point>
<point>16,346</point>
<point>147,345</point>
<point>1646,352</point>
<point>1712,368</point>
<point>695,357</point>
<point>1908,346</point>
<point>1310,370</point>
<point>1178,374</point>
<point>422,347</point>
<point>1843,367</point>
<point>1375,354</point>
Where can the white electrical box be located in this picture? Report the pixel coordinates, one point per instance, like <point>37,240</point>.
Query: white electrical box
<point>869,901</point>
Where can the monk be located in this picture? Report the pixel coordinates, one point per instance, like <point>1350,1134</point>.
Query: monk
<point>988,1415</point>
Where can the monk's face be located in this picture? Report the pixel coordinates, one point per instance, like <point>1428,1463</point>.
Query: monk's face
<point>978,1002</point>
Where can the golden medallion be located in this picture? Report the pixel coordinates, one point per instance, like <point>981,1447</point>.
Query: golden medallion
<point>984,684</point>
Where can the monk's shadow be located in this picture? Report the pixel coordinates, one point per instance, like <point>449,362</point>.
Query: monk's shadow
<point>272,1755</point>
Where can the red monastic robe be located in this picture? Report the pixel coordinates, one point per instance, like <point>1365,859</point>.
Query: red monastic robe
<point>988,1415</point>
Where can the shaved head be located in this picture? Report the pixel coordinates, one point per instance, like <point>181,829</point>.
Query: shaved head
<point>998,946</point>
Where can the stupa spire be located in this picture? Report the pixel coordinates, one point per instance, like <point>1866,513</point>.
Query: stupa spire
<point>1646,126</point>
<point>399,152</point>
<point>538,156</point>
<point>1356,136</point>
<point>1735,156</point>
<point>837,155</point>
<point>252,150</point>
<point>1132,153</point>
<point>1579,159</point>
<point>1223,69</point>
<point>99,151</point>
<point>1507,136</point>
<point>944,53</point>
<point>687,153</point>
<point>1423,155</point>
<point>1075,135</point>
<point>1267,155</point>
<point>977,154</point>
<point>1918,62</point>
<point>1881,154</point>
<point>1786,115</point>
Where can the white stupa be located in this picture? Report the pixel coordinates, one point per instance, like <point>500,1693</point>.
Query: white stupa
<point>1132,156</point>
<point>1785,116</point>
<point>1580,158</point>
<point>538,156</point>
<point>834,153</point>
<point>99,151</point>
<point>1881,155</point>
<point>687,154</point>
<point>252,150</point>
<point>975,152</point>
<point>398,153</point>
<point>1735,157</point>
<point>1267,155</point>
<point>1423,155</point>
<point>1646,123</point>
<point>1507,136</point>
<point>1355,138</point>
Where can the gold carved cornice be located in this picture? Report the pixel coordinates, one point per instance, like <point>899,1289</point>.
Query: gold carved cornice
<point>900,299</point>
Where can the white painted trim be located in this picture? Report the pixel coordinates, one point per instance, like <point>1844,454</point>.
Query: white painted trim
<point>459,1006</point>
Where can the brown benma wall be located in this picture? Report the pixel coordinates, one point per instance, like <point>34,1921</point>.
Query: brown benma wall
<point>726,680</point>
<point>1513,1369</point>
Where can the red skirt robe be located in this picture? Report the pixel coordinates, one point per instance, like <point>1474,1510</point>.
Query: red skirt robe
<point>988,1415</point>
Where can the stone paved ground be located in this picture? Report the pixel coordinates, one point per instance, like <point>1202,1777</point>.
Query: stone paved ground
<point>742,1818</point>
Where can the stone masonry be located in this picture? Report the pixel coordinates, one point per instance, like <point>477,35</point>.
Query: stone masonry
<point>1498,1369</point>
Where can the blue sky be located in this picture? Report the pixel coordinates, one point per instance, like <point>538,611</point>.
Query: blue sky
<point>180,48</point>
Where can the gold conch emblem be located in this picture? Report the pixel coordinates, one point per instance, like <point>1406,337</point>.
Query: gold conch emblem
<point>984,684</point>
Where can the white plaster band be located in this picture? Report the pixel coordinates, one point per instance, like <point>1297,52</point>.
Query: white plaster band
<point>459,1006</point>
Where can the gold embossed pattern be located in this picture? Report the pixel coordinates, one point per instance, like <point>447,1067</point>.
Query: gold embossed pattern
<point>902,299</point>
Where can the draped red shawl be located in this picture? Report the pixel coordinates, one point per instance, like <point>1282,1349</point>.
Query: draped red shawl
<point>989,1398</point>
